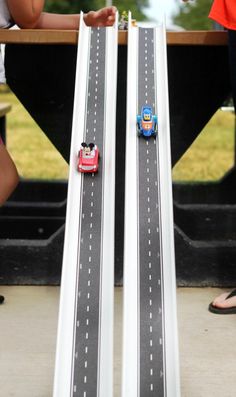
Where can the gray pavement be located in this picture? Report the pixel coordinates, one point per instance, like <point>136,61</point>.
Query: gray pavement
<point>28,323</point>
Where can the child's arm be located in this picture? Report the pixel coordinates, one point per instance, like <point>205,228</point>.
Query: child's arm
<point>8,175</point>
<point>29,14</point>
<point>26,12</point>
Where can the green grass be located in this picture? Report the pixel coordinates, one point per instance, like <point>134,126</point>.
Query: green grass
<point>212,153</point>
<point>209,158</point>
<point>33,153</point>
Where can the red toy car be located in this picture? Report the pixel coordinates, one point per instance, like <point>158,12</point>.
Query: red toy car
<point>88,158</point>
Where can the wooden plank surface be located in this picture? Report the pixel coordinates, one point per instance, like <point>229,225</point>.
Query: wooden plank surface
<point>197,38</point>
<point>27,36</point>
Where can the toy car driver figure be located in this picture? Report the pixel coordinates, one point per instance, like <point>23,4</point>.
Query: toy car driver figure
<point>147,116</point>
<point>87,149</point>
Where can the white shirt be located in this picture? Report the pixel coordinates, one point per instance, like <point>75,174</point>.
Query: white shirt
<point>5,16</point>
<point>5,22</point>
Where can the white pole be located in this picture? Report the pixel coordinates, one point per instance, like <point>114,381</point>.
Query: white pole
<point>108,3</point>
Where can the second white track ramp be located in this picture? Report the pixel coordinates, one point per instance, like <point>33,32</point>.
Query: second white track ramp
<point>150,346</point>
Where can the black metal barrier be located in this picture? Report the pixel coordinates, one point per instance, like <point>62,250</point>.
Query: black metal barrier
<point>32,230</point>
<point>32,233</point>
<point>205,232</point>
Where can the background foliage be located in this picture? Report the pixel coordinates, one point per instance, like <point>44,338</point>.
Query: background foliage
<point>191,16</point>
<point>194,15</point>
<point>74,6</point>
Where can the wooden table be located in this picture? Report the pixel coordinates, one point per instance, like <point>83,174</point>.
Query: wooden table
<point>29,36</point>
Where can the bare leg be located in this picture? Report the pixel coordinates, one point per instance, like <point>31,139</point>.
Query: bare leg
<point>8,175</point>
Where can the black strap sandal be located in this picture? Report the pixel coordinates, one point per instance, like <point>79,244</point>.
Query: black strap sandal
<point>226,310</point>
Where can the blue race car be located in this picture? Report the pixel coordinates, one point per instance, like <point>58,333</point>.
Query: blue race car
<point>146,122</point>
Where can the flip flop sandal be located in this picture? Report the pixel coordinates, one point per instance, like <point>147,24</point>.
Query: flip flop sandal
<point>227,310</point>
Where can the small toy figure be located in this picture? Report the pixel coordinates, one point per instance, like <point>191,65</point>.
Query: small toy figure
<point>88,158</point>
<point>124,21</point>
<point>87,149</point>
<point>123,24</point>
<point>146,122</point>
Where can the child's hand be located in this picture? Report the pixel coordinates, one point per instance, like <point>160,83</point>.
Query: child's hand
<point>103,17</point>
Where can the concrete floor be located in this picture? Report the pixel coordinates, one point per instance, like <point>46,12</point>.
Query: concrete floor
<point>28,323</point>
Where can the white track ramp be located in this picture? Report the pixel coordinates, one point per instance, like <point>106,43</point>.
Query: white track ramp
<point>84,353</point>
<point>150,342</point>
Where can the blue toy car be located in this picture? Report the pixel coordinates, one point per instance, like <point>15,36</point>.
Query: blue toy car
<point>146,122</point>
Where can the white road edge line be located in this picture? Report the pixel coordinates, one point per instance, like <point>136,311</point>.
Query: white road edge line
<point>107,256</point>
<point>167,224</point>
<point>130,286</point>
